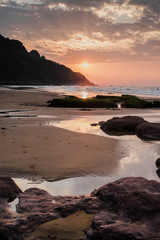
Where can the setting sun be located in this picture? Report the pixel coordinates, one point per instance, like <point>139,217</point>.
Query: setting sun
<point>85,64</point>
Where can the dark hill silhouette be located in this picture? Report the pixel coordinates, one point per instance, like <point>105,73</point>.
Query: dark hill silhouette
<point>19,67</point>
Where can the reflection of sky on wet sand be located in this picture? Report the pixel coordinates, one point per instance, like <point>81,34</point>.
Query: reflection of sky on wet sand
<point>83,124</point>
<point>138,164</point>
<point>140,160</point>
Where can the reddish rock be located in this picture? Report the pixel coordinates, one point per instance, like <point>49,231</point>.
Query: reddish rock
<point>8,188</point>
<point>127,209</point>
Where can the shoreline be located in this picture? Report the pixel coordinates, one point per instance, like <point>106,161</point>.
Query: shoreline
<point>57,91</point>
<point>31,149</point>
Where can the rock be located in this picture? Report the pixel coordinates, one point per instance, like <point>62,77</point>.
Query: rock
<point>71,227</point>
<point>101,123</point>
<point>158,172</point>
<point>132,212</point>
<point>148,131</point>
<point>135,197</point>
<point>94,124</point>
<point>8,192</point>
<point>123,125</point>
<point>158,163</point>
<point>85,109</point>
<point>8,188</point>
<point>127,209</point>
<point>3,237</point>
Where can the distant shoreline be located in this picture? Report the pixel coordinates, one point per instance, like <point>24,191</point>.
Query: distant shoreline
<point>78,91</point>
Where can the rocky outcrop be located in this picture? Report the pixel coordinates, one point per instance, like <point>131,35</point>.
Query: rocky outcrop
<point>19,67</point>
<point>8,189</point>
<point>131,125</point>
<point>148,131</point>
<point>121,126</point>
<point>127,209</point>
<point>8,192</point>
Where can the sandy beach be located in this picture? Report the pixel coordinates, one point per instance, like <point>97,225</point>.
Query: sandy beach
<point>31,148</point>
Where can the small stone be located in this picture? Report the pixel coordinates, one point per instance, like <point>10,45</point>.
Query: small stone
<point>94,124</point>
<point>85,109</point>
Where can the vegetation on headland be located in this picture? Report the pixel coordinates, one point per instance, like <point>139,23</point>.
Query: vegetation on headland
<point>101,101</point>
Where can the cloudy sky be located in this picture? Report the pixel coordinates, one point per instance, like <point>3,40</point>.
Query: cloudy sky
<point>118,39</point>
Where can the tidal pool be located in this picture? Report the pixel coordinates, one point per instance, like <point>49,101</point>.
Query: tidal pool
<point>140,160</point>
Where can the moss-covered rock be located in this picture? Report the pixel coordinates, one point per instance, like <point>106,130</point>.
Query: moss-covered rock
<point>129,101</point>
<point>135,102</point>
<point>71,227</point>
<point>82,103</point>
<point>156,104</point>
<point>102,101</point>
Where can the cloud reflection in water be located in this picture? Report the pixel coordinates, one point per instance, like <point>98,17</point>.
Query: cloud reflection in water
<point>140,161</point>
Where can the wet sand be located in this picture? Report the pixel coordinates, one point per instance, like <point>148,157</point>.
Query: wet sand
<point>31,149</point>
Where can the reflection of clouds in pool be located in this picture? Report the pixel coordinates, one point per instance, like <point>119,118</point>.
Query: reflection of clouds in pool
<point>70,186</point>
<point>83,124</point>
<point>138,164</point>
<point>140,161</point>
<point>78,125</point>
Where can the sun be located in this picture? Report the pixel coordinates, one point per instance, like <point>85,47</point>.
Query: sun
<point>85,64</point>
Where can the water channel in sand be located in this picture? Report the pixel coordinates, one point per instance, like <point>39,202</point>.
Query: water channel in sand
<point>140,160</point>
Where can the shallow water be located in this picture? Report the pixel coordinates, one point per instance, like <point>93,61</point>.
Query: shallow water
<point>139,162</point>
<point>83,124</point>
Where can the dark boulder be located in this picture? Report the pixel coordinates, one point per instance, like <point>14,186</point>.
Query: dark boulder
<point>148,131</point>
<point>158,163</point>
<point>121,126</point>
<point>158,172</point>
<point>8,189</point>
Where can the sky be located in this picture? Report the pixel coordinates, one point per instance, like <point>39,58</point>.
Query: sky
<point>111,42</point>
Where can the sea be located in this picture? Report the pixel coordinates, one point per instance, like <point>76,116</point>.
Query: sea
<point>90,91</point>
<point>94,90</point>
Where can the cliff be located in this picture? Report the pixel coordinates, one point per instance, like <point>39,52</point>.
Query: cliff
<point>20,67</point>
